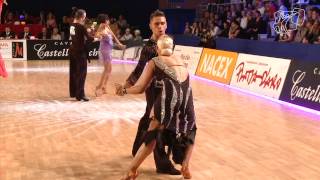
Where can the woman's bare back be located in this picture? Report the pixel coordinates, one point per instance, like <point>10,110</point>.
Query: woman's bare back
<point>177,65</point>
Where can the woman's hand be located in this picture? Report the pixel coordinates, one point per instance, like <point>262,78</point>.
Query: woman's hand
<point>120,90</point>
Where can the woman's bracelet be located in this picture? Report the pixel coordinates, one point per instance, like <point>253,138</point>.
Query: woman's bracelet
<point>124,91</point>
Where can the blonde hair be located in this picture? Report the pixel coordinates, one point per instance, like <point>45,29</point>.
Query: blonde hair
<point>165,45</point>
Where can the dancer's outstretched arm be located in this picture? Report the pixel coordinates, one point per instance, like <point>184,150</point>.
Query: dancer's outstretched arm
<point>141,84</point>
<point>115,38</point>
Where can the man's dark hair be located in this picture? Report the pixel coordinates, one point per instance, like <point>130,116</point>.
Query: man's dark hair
<point>157,13</point>
<point>79,13</point>
<point>73,11</point>
<point>102,18</point>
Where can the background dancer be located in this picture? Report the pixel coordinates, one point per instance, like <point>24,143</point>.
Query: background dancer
<point>78,56</point>
<point>3,71</point>
<point>158,26</point>
<point>106,37</point>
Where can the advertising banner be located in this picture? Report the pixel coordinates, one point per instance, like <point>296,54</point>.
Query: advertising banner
<point>260,74</point>
<point>302,85</point>
<point>13,49</point>
<point>217,65</point>
<point>190,55</point>
<point>59,50</point>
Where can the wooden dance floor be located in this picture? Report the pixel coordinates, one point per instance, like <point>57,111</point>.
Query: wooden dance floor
<point>46,135</point>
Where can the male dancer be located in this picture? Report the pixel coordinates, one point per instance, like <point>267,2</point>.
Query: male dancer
<point>78,56</point>
<point>158,26</point>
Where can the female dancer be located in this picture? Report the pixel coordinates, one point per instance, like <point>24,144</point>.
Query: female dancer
<point>173,108</point>
<point>106,37</point>
<point>3,71</point>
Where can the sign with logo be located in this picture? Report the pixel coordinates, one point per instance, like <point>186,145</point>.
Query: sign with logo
<point>17,50</point>
<point>260,74</point>
<point>190,55</point>
<point>59,50</point>
<point>6,49</point>
<point>13,49</point>
<point>55,50</point>
<point>217,65</point>
<point>302,85</point>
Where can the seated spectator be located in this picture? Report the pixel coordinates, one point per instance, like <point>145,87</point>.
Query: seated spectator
<point>218,20</point>
<point>118,34</point>
<point>203,37</point>
<point>114,26</point>
<point>302,32</point>
<point>65,26</point>
<point>28,19</point>
<point>51,22</point>
<point>42,19</point>
<point>195,29</point>
<point>122,22</point>
<point>225,30</point>
<point>287,36</point>
<point>270,9</point>
<point>260,24</point>
<point>234,31</point>
<point>8,34</point>
<point>315,14</point>
<point>313,33</point>
<point>317,41</point>
<point>44,34</point>
<point>9,19</point>
<point>55,34</point>
<point>244,20</point>
<point>127,36</point>
<point>25,34</point>
<point>187,29</point>
<point>261,8</point>
<point>137,35</point>
<point>252,30</point>
<point>283,8</point>
<point>214,30</point>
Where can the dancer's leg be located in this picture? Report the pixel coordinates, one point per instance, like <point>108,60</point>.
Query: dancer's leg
<point>185,165</point>
<point>101,82</point>
<point>146,149</point>
<point>108,69</point>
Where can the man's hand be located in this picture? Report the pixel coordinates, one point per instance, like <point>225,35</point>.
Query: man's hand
<point>119,89</point>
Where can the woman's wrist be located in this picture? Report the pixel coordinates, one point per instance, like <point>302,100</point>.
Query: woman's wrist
<point>124,91</point>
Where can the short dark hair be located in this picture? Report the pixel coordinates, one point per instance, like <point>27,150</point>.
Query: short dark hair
<point>102,18</point>
<point>157,13</point>
<point>79,13</point>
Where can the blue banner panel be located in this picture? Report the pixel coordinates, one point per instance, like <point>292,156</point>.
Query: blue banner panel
<point>302,85</point>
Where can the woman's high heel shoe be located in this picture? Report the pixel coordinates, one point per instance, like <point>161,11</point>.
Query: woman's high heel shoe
<point>98,92</point>
<point>104,90</point>
<point>186,173</point>
<point>130,176</point>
